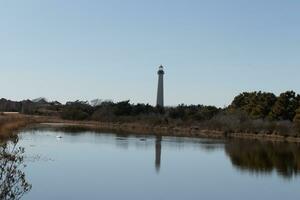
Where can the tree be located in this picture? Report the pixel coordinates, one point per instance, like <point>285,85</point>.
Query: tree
<point>178,112</point>
<point>285,106</point>
<point>255,104</point>
<point>13,184</point>
<point>192,112</point>
<point>78,110</point>
<point>297,117</point>
<point>122,108</point>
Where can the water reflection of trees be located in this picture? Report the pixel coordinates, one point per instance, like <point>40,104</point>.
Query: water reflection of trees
<point>264,157</point>
<point>13,184</point>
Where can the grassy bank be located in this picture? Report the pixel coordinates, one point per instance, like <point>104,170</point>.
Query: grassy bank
<point>250,115</point>
<point>11,123</point>
<point>164,130</point>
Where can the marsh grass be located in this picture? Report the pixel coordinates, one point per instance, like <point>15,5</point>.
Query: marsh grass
<point>9,124</point>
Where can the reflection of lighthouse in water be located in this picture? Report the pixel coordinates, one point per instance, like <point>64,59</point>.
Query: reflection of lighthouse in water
<point>158,153</point>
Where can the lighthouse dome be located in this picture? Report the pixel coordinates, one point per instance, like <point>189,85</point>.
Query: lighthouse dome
<point>161,70</point>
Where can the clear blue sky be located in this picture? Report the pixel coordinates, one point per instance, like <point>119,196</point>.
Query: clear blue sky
<point>85,49</point>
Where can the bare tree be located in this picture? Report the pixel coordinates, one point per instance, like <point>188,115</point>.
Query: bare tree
<point>13,184</point>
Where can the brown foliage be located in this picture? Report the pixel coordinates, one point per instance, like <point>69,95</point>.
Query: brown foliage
<point>11,123</point>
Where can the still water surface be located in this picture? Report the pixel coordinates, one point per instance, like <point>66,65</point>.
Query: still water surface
<point>88,165</point>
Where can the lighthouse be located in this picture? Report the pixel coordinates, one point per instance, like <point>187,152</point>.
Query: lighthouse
<point>160,90</point>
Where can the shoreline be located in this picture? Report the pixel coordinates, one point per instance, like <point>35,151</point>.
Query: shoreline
<point>145,129</point>
<point>11,125</point>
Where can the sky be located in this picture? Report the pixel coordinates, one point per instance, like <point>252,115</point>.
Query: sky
<point>212,50</point>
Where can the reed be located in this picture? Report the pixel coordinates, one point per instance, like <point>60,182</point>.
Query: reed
<point>10,124</point>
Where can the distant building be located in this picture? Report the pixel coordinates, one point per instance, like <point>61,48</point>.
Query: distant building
<point>160,90</point>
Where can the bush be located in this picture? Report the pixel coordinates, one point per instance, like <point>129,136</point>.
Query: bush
<point>77,110</point>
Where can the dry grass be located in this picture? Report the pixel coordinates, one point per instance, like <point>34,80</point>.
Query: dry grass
<point>10,124</point>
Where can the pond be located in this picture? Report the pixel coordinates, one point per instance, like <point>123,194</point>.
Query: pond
<point>67,164</point>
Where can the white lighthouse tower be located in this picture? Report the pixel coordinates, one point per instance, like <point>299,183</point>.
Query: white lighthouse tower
<point>160,90</point>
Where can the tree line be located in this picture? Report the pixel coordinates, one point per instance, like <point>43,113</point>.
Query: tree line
<point>255,105</point>
<point>268,106</point>
<point>259,110</point>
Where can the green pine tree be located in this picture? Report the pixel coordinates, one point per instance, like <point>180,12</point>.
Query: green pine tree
<point>285,106</point>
